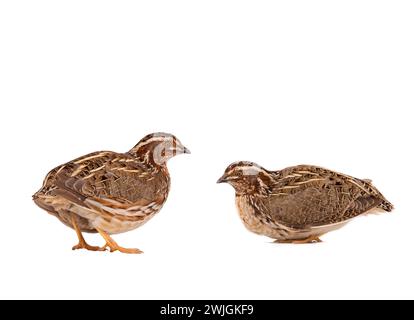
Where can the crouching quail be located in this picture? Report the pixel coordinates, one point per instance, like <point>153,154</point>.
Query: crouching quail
<point>299,204</point>
<point>109,192</point>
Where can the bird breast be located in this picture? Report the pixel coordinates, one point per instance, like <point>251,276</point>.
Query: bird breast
<point>254,220</point>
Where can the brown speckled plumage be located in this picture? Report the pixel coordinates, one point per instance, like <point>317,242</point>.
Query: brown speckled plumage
<point>109,192</point>
<point>301,203</point>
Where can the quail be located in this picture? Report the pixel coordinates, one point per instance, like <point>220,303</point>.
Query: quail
<point>301,203</point>
<point>109,193</point>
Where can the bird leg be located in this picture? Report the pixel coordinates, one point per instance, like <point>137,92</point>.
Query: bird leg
<point>82,242</point>
<point>311,239</point>
<point>113,246</point>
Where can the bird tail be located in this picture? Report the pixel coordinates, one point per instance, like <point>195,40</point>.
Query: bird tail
<point>386,206</point>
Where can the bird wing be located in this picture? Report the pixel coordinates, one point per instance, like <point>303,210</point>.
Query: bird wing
<point>308,196</point>
<point>105,178</point>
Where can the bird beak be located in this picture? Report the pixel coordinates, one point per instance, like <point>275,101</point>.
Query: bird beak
<point>186,150</point>
<point>223,179</point>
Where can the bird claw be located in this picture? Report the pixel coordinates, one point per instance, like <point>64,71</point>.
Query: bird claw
<point>303,241</point>
<point>88,247</point>
<point>115,247</point>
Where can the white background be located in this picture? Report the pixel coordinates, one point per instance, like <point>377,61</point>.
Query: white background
<point>280,83</point>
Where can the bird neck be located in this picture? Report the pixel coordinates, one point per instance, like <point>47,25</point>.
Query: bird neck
<point>146,157</point>
<point>252,190</point>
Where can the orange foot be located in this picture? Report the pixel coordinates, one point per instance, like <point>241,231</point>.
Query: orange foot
<point>312,239</point>
<point>82,243</point>
<point>113,246</point>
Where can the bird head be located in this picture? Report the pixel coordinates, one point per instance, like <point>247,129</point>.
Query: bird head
<point>158,148</point>
<point>247,178</point>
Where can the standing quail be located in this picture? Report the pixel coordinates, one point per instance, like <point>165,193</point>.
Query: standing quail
<point>299,204</point>
<point>109,192</point>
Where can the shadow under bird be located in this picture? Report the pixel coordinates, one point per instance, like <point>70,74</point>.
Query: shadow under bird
<point>109,192</point>
<point>299,204</point>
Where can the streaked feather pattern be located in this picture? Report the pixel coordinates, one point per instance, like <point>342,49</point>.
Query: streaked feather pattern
<point>109,191</point>
<point>301,201</point>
